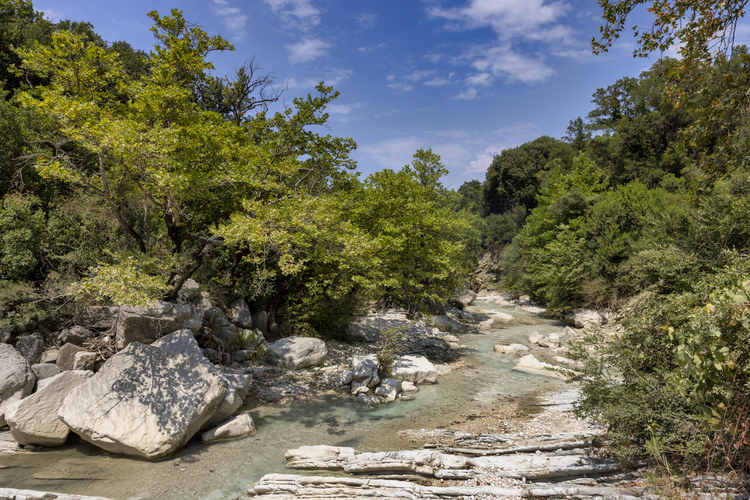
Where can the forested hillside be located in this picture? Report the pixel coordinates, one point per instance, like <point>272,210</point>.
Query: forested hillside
<point>643,208</point>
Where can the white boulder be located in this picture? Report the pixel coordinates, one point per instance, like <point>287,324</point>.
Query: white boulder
<point>298,352</point>
<point>15,373</point>
<point>239,426</point>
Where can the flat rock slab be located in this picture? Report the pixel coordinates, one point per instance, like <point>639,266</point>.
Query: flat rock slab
<point>14,494</point>
<point>239,426</point>
<point>414,368</point>
<point>34,420</point>
<point>298,352</point>
<point>145,401</point>
<point>529,364</point>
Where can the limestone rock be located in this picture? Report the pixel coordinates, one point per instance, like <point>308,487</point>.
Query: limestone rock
<point>144,401</point>
<point>298,352</point>
<point>583,317</point>
<point>364,376</point>
<point>534,338</point>
<point>15,373</point>
<point>67,356</point>
<point>554,339</point>
<point>510,349</point>
<point>35,421</point>
<point>45,370</point>
<point>97,317</point>
<point>15,494</point>
<point>569,332</point>
<point>369,328</point>
<point>146,324</point>
<point>467,297</point>
<point>389,389</point>
<point>222,330</point>
<point>260,322</point>
<point>239,426</point>
<point>8,407</point>
<point>5,336</point>
<point>408,387</point>
<point>31,347</point>
<point>370,400</point>
<point>75,335</point>
<point>240,314</point>
<point>50,356</point>
<point>183,343</point>
<point>414,368</point>
<point>497,319</point>
<point>84,360</point>
<point>530,364</point>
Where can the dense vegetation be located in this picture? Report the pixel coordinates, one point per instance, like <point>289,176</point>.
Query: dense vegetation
<point>643,208</point>
<point>126,173</point>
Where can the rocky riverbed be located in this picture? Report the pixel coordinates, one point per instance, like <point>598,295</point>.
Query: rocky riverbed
<point>481,431</point>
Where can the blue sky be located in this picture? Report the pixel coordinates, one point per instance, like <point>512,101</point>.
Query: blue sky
<point>467,78</point>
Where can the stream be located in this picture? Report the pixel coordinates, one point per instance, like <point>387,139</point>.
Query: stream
<point>224,470</point>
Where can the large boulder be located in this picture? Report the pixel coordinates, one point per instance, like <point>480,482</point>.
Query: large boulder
<point>35,421</point>
<point>66,357</point>
<point>145,401</point>
<point>15,373</point>
<point>221,329</point>
<point>467,298</point>
<point>370,327</point>
<point>298,352</point>
<point>45,370</point>
<point>240,314</point>
<point>413,368</point>
<point>183,343</point>
<point>97,317</point>
<point>581,318</point>
<point>31,347</point>
<point>389,389</point>
<point>75,335</point>
<point>146,324</point>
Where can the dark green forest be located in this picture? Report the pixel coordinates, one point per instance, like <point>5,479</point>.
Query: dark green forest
<point>125,173</point>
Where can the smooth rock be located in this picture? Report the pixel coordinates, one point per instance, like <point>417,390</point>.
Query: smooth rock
<point>50,356</point>
<point>31,347</point>
<point>534,338</point>
<point>144,401</point>
<point>97,317</point>
<point>66,357</point>
<point>8,407</point>
<point>240,314</point>
<point>467,297</point>
<point>45,370</point>
<point>569,332</point>
<point>146,324</point>
<point>407,386</point>
<point>364,376</point>
<point>15,373</point>
<point>183,343</point>
<point>298,352</point>
<point>510,349</point>
<point>529,364</point>
<point>75,335</point>
<point>554,339</point>
<point>389,388</point>
<point>370,327</point>
<point>15,494</point>
<point>580,318</point>
<point>35,421</point>
<point>369,400</point>
<point>239,426</point>
<point>413,368</point>
<point>84,360</point>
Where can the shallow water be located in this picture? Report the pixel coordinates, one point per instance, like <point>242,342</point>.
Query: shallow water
<point>225,470</point>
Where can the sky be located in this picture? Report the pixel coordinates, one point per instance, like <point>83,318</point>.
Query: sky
<point>467,78</point>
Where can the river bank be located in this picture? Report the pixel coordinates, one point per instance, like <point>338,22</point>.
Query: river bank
<point>481,394</point>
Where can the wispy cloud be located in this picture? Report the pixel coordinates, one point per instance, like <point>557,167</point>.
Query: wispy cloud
<point>428,77</point>
<point>343,112</point>
<point>401,87</point>
<point>300,14</point>
<point>370,48</point>
<point>367,20</point>
<point>232,17</point>
<point>307,50</point>
<point>524,30</point>
<point>331,76</point>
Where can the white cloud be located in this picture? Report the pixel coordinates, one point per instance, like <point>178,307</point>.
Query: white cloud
<point>401,87</point>
<point>370,48</point>
<point>52,15</point>
<point>331,76</point>
<point>367,20</point>
<point>307,50</point>
<point>342,112</point>
<point>523,31</point>
<point>300,14</point>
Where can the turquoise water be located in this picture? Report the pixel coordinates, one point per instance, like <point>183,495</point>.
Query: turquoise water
<point>225,470</point>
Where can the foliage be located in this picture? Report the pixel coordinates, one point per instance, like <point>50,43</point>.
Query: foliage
<point>512,178</point>
<point>389,348</point>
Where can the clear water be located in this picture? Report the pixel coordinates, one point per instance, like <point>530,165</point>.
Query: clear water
<point>225,470</point>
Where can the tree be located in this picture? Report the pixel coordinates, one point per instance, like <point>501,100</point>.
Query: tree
<point>141,140</point>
